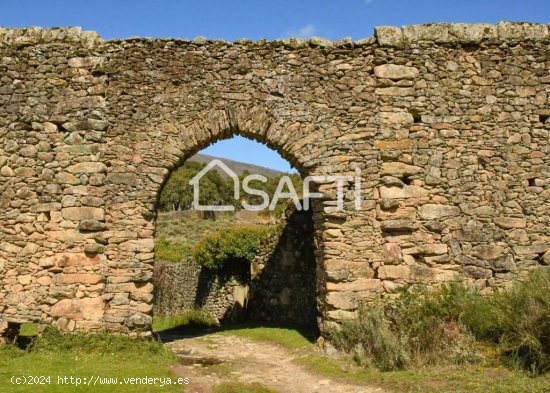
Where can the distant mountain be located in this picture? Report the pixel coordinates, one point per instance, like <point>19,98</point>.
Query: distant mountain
<point>237,167</point>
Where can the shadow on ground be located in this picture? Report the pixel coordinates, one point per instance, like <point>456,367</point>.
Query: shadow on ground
<point>196,330</point>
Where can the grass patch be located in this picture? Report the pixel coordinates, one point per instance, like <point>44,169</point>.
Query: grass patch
<point>190,321</point>
<point>86,355</point>
<point>198,320</point>
<point>172,251</point>
<point>234,387</point>
<point>28,330</point>
<point>432,379</point>
<point>54,341</point>
<point>286,337</point>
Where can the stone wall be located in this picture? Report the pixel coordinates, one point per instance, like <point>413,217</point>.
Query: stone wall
<point>282,283</point>
<point>175,286</point>
<point>447,123</point>
<point>185,286</point>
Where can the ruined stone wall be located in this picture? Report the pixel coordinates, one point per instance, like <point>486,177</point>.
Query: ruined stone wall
<point>186,286</point>
<point>175,286</point>
<point>447,123</point>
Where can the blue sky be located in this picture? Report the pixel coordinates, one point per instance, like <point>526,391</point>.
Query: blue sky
<point>256,19</point>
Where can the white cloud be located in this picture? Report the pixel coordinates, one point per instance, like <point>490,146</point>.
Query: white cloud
<point>303,32</point>
<point>306,31</point>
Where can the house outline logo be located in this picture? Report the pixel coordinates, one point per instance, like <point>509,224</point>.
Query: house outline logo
<point>196,187</point>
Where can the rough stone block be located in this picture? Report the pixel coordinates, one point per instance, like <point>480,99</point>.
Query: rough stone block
<point>532,249</point>
<point>66,178</point>
<point>10,248</point>
<point>405,212</point>
<point>504,263</point>
<point>427,249</point>
<point>81,278</point>
<point>85,62</point>
<point>74,260</point>
<point>138,321</point>
<point>83,213</point>
<point>478,272</point>
<point>340,315</point>
<point>91,309</point>
<point>87,167</point>
<point>322,42</point>
<point>92,226</point>
<point>94,249</point>
<point>402,118</point>
<point>403,193</point>
<point>392,253</point>
<point>399,225</point>
<point>140,245</point>
<point>6,171</point>
<point>398,169</point>
<point>395,71</point>
<point>65,324</point>
<point>397,272</point>
<point>510,222</point>
<point>473,33</point>
<point>142,297</point>
<point>341,300</point>
<point>488,252</point>
<point>392,181</point>
<point>389,204</point>
<point>89,102</point>
<point>389,36</point>
<point>433,211</point>
<point>518,31</point>
<point>123,178</point>
<point>394,91</point>
<point>29,250</point>
<point>435,32</point>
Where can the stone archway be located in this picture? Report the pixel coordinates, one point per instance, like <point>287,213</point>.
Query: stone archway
<point>133,298</point>
<point>279,286</point>
<point>448,124</point>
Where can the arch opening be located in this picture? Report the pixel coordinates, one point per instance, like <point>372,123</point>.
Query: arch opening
<point>276,284</point>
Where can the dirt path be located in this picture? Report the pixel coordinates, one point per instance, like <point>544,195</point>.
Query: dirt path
<point>213,359</point>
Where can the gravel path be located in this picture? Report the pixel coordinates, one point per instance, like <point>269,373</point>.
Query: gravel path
<point>217,358</point>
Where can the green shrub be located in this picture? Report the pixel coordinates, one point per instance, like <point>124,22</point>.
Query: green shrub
<point>446,303</point>
<point>463,349</point>
<point>518,319</point>
<point>430,318</point>
<point>231,248</point>
<point>446,323</point>
<point>481,317</point>
<point>371,340</point>
<point>422,326</point>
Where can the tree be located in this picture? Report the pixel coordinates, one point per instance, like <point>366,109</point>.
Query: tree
<point>177,193</point>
